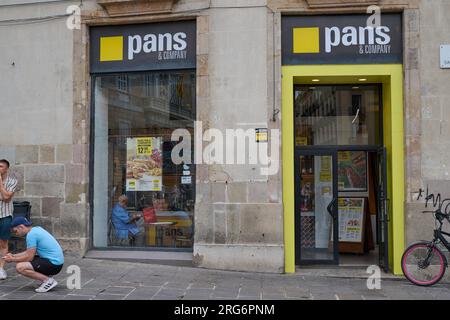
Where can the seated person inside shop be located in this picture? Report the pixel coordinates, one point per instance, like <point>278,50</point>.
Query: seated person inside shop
<point>125,224</point>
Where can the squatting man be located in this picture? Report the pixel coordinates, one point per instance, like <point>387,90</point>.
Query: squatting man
<point>43,257</point>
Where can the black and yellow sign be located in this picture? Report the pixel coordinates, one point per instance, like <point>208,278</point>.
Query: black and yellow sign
<point>341,39</point>
<point>261,135</point>
<point>142,47</point>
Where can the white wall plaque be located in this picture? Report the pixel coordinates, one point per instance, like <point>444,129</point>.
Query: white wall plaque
<point>445,56</point>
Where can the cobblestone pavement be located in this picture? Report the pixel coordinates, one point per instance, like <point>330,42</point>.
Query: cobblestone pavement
<point>114,280</point>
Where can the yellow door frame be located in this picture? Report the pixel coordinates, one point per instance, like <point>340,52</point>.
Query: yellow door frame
<point>391,78</point>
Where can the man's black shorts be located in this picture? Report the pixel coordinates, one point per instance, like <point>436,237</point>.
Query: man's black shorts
<point>44,266</point>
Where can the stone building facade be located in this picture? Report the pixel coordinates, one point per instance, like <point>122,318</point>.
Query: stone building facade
<point>239,219</point>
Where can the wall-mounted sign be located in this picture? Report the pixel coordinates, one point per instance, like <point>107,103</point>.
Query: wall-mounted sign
<point>445,56</point>
<point>261,134</point>
<point>341,39</point>
<point>143,47</point>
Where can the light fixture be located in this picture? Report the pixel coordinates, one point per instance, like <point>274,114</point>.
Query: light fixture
<point>315,80</point>
<point>355,88</point>
<point>362,79</point>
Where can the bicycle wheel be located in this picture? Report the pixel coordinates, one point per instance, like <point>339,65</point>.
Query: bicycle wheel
<point>423,264</point>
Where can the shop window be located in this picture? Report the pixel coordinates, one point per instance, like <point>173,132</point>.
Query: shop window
<point>132,158</point>
<point>337,115</point>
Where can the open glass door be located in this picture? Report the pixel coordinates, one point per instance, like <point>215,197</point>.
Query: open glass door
<point>383,215</point>
<point>316,218</point>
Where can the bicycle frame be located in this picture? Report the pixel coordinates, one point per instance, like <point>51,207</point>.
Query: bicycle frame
<point>439,235</point>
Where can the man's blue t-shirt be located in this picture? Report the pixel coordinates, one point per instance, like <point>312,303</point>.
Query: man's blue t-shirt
<point>46,245</point>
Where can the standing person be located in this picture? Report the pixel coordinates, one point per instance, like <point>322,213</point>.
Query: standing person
<point>8,186</point>
<point>43,257</point>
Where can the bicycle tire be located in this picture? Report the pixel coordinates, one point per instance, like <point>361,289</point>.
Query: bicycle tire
<point>441,258</point>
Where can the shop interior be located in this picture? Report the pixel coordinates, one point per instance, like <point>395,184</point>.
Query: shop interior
<point>342,122</point>
<point>136,114</point>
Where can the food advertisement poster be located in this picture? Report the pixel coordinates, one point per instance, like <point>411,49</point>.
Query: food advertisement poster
<point>351,214</point>
<point>352,171</point>
<point>144,164</point>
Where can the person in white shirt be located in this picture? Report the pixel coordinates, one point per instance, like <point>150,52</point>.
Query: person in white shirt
<point>8,185</point>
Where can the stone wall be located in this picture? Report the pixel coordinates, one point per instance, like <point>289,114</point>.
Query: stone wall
<point>429,123</point>
<point>238,215</point>
<point>53,179</point>
<point>44,128</point>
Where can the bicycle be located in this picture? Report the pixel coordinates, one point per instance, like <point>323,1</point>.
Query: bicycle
<point>423,262</point>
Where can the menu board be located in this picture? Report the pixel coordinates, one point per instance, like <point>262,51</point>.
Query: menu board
<point>352,170</point>
<point>351,219</point>
<point>144,164</point>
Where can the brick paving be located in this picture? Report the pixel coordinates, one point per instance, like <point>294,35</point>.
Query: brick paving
<point>114,280</point>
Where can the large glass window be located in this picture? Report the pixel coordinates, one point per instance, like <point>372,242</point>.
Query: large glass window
<point>337,115</point>
<point>141,197</point>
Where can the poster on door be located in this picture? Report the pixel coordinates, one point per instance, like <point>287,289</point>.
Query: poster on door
<point>351,215</point>
<point>144,164</point>
<point>352,171</point>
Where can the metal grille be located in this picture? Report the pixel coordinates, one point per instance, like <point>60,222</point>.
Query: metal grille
<point>307,232</point>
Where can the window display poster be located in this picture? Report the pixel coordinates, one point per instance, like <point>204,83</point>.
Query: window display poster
<point>144,164</point>
<point>325,169</point>
<point>352,170</point>
<point>351,214</point>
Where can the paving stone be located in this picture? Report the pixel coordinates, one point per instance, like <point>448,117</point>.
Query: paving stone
<point>143,293</point>
<point>169,294</point>
<point>198,294</point>
<point>196,297</point>
<point>109,297</point>
<point>249,298</point>
<point>118,290</point>
<point>250,292</point>
<point>323,296</point>
<point>175,285</point>
<point>273,297</point>
<point>6,289</point>
<point>19,296</point>
<point>224,293</point>
<point>347,296</point>
<point>78,297</point>
<point>44,296</point>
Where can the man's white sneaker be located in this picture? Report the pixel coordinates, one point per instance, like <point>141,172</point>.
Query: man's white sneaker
<point>47,285</point>
<point>3,274</point>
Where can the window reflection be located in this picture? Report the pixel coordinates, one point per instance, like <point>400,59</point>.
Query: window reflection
<point>337,115</point>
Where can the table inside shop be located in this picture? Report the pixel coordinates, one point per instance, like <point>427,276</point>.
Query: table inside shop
<point>160,227</point>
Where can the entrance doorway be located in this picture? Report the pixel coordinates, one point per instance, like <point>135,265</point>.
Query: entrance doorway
<point>340,175</point>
